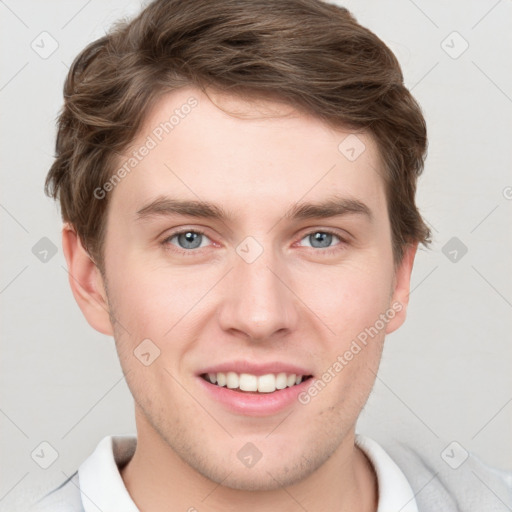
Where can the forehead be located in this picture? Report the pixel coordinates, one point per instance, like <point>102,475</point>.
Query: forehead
<point>253,154</point>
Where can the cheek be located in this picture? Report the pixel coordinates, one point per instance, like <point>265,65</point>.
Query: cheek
<point>350,300</point>
<point>141,308</point>
<point>150,301</point>
<point>353,309</point>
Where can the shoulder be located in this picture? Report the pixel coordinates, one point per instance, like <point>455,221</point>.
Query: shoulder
<point>64,498</point>
<point>445,474</point>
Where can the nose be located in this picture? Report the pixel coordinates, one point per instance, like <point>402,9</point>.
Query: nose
<point>259,302</point>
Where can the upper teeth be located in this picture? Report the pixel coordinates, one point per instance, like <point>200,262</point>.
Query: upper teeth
<point>248,382</point>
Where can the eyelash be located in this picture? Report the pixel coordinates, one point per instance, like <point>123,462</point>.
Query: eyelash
<point>193,252</point>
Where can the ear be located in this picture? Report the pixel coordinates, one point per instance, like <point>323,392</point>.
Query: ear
<point>86,282</point>
<point>401,288</point>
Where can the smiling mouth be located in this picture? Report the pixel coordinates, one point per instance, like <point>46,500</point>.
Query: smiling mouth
<point>248,383</point>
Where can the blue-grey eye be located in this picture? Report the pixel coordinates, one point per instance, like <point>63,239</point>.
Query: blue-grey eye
<point>188,239</point>
<point>320,239</point>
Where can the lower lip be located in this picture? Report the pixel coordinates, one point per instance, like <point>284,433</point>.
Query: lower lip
<point>255,404</point>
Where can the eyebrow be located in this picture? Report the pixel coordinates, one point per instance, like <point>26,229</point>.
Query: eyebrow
<point>333,206</point>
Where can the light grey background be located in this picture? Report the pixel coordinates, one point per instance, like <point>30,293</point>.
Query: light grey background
<point>445,375</point>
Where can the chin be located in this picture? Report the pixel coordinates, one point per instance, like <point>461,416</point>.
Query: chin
<point>266,478</point>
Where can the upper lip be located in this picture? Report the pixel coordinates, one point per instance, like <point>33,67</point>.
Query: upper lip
<point>257,369</point>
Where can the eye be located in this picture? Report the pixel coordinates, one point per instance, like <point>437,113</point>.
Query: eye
<point>323,239</point>
<point>187,240</point>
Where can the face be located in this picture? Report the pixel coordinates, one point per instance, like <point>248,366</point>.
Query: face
<point>258,285</point>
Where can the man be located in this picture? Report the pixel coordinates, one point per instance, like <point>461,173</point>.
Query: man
<point>237,181</point>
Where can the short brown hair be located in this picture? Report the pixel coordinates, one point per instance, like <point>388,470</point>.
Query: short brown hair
<point>311,54</point>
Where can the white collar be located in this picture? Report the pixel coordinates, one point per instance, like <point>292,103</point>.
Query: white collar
<point>395,492</point>
<point>101,484</point>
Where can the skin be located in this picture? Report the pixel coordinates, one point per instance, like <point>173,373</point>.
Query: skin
<point>294,303</point>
